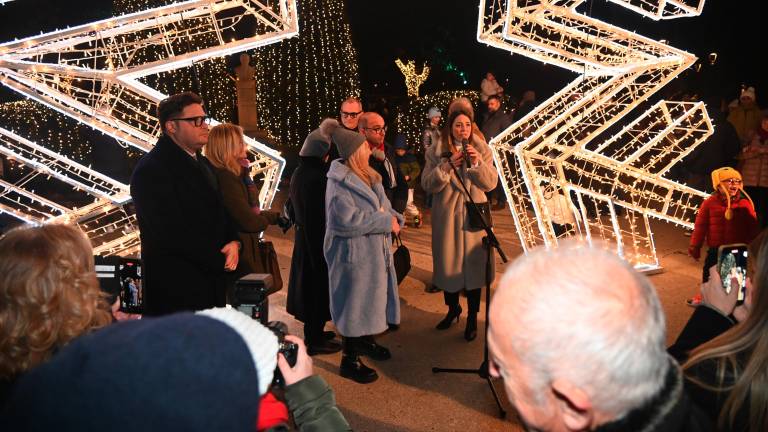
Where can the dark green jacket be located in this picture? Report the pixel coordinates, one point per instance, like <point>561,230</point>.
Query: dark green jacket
<point>313,406</point>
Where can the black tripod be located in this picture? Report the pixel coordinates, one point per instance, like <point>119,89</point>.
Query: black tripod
<point>490,242</point>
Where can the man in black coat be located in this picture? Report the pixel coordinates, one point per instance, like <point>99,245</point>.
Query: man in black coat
<point>495,120</point>
<point>187,239</point>
<point>308,296</point>
<point>372,126</point>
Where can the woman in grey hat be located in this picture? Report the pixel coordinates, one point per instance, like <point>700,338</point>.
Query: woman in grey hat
<point>357,247</point>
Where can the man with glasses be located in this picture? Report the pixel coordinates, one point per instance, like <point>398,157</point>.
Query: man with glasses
<point>351,110</point>
<point>372,126</point>
<point>187,239</point>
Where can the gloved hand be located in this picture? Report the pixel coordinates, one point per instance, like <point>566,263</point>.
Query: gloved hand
<point>694,251</point>
<point>284,223</point>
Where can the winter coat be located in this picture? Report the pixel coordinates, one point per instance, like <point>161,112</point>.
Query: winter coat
<point>313,406</point>
<point>409,166</point>
<point>754,165</point>
<point>308,283</point>
<point>397,191</point>
<point>669,410</point>
<point>745,119</point>
<point>249,224</point>
<point>183,226</point>
<point>357,248</point>
<point>494,123</point>
<point>458,256</point>
<point>712,225</point>
<point>431,135</point>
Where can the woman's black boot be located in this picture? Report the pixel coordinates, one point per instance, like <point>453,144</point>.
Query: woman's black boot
<point>473,303</point>
<point>454,310</point>
<point>351,366</point>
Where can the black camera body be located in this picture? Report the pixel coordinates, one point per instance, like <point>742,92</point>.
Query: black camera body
<point>250,295</point>
<point>288,349</point>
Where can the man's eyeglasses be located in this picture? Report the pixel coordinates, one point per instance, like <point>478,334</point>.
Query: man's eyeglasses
<point>733,181</point>
<point>197,121</point>
<point>377,129</point>
<point>351,114</point>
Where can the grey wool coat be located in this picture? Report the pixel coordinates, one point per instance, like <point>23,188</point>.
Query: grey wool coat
<point>357,248</point>
<point>458,257</point>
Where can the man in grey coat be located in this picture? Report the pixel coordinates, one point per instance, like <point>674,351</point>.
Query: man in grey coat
<point>361,273</point>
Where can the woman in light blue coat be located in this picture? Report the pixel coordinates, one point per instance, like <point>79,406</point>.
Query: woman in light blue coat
<point>357,248</point>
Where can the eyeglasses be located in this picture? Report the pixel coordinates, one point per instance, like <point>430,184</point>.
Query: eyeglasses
<point>733,181</point>
<point>197,121</point>
<point>351,114</point>
<point>377,129</point>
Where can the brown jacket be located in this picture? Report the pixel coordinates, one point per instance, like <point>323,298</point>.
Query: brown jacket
<point>754,163</point>
<point>249,225</point>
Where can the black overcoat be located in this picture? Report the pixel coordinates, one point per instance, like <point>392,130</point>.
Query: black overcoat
<point>183,227</point>
<point>308,299</point>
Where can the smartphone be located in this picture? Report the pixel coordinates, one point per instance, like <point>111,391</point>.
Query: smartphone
<point>732,264</point>
<point>131,292</point>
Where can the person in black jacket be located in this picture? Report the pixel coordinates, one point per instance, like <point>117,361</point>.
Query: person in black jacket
<point>308,298</point>
<point>372,126</point>
<point>187,238</point>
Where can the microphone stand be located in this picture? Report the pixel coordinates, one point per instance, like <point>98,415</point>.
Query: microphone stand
<point>490,242</point>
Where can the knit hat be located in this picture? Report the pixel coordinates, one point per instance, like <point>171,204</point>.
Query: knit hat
<point>749,92</point>
<point>181,372</point>
<point>433,112</point>
<point>317,143</point>
<point>347,142</point>
<point>400,142</point>
<point>722,174</point>
<point>261,342</point>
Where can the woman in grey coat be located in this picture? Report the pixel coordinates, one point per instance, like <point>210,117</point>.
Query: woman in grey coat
<point>357,248</point>
<point>458,256</point>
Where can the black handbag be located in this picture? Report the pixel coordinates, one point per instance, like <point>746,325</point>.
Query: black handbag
<point>474,222</point>
<point>269,261</point>
<point>402,259</point>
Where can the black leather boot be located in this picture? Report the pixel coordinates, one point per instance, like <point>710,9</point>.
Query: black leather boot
<point>470,331</point>
<point>367,346</point>
<point>351,366</point>
<point>454,310</point>
<point>316,341</point>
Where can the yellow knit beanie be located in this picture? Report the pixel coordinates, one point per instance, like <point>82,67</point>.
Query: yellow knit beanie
<point>722,174</point>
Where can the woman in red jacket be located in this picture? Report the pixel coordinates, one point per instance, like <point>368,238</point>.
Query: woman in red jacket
<point>726,217</point>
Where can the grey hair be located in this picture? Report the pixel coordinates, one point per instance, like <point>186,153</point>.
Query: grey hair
<point>364,118</point>
<point>584,315</point>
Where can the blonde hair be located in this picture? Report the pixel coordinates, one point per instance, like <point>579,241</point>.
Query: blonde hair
<point>358,164</point>
<point>224,144</point>
<point>49,294</point>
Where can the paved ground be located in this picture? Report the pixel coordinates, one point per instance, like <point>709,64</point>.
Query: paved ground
<point>408,396</point>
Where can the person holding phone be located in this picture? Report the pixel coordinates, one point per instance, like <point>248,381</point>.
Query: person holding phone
<point>722,347</point>
<point>726,217</point>
<point>458,257</point>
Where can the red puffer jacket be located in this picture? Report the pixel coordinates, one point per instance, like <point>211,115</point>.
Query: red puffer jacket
<point>711,222</point>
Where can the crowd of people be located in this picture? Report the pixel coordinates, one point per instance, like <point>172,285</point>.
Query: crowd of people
<point>579,349</point>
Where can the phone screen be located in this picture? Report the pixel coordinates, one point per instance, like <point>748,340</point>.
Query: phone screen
<point>131,292</point>
<point>732,264</point>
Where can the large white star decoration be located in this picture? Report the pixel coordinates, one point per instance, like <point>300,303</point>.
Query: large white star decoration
<point>574,160</point>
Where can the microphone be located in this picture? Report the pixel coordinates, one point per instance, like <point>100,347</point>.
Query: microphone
<point>467,160</point>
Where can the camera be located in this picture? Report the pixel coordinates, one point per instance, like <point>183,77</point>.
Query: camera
<point>250,295</point>
<point>121,278</point>
<point>288,349</point>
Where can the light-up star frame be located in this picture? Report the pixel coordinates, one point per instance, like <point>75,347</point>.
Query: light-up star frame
<point>93,73</point>
<point>616,183</point>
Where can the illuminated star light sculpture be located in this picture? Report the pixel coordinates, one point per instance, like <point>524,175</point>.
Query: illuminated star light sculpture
<point>617,183</point>
<point>92,74</point>
<point>413,80</point>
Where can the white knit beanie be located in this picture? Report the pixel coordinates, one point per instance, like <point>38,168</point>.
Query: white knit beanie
<point>261,342</point>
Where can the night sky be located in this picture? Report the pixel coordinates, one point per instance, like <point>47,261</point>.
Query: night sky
<point>443,33</point>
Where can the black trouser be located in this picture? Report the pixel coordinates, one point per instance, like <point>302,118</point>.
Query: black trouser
<point>473,299</point>
<point>709,261</point>
<point>313,332</point>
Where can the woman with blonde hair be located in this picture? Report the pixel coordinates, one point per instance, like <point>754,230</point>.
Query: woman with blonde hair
<point>459,260</point>
<point>49,295</point>
<point>357,248</point>
<point>227,152</point>
<point>727,376</point>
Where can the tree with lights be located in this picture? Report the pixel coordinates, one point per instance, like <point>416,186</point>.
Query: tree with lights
<point>303,80</point>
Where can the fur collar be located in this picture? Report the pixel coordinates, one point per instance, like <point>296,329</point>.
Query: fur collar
<point>342,174</point>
